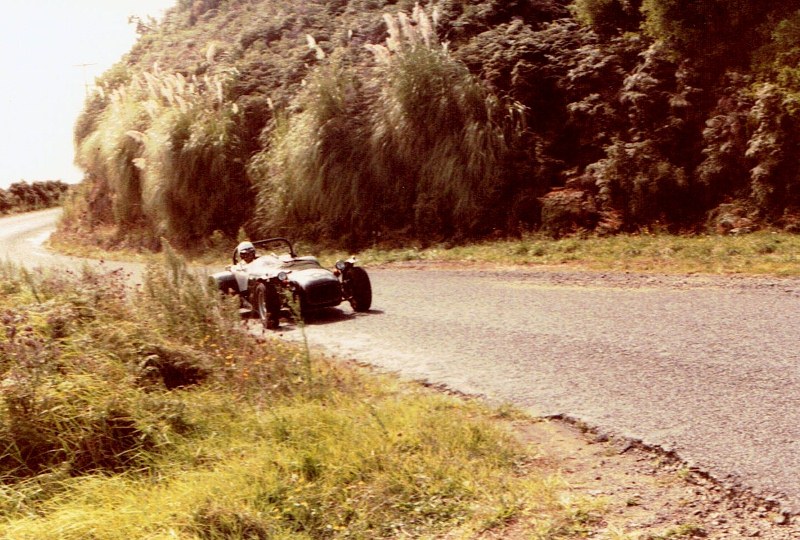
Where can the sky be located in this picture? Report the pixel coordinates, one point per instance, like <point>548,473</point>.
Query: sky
<point>44,45</point>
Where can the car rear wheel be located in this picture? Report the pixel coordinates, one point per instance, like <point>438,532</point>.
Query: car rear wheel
<point>360,289</point>
<point>268,305</point>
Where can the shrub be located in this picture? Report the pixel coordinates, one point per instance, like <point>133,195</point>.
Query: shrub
<point>565,211</point>
<point>609,16</point>
<point>637,182</point>
<point>63,407</point>
<point>773,148</point>
<point>725,169</point>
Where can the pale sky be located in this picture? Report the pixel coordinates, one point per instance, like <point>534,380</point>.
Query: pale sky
<point>42,84</point>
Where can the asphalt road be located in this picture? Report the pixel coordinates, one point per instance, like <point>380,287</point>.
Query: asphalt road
<point>703,367</point>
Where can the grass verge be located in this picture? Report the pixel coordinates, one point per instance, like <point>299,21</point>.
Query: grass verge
<point>759,253</point>
<point>762,253</point>
<point>147,414</point>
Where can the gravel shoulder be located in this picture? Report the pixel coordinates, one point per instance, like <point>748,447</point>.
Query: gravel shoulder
<point>649,495</point>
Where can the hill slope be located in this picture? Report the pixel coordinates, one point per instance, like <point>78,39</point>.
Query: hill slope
<point>353,121</point>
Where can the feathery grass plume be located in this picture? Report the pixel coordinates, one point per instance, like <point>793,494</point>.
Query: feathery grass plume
<point>312,44</point>
<point>415,144</point>
<point>110,150</point>
<point>168,150</point>
<point>314,177</point>
<point>394,41</point>
<point>194,178</point>
<point>442,129</point>
<point>424,26</point>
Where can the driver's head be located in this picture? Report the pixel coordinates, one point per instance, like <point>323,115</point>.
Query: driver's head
<point>247,251</point>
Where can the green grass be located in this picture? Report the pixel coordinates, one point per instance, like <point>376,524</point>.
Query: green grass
<point>146,414</point>
<point>764,253</point>
<point>759,253</point>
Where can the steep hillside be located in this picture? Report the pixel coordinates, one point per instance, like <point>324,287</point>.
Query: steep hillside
<point>356,121</point>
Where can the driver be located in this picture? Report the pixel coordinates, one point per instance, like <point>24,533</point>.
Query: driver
<point>247,252</point>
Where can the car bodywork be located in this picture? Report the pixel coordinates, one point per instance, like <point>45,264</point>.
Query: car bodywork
<point>272,285</point>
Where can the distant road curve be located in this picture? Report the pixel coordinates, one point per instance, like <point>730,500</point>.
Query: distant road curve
<point>22,238</point>
<point>22,235</point>
<point>706,367</point>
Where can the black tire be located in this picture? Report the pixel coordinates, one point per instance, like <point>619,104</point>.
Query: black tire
<point>267,305</point>
<point>360,289</point>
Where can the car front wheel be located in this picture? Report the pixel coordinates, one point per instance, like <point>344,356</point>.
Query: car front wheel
<point>360,289</point>
<point>267,305</point>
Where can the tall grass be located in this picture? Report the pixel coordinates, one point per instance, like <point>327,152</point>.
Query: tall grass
<point>315,176</point>
<point>437,130</point>
<point>412,144</point>
<point>194,173</point>
<point>110,153</point>
<point>168,151</point>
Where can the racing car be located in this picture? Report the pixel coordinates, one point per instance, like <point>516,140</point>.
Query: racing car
<point>271,285</point>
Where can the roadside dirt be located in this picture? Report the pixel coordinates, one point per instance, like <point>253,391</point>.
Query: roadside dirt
<point>645,493</point>
<point>649,495</point>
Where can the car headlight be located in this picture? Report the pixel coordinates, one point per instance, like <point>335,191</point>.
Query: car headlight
<point>283,276</point>
<point>341,265</point>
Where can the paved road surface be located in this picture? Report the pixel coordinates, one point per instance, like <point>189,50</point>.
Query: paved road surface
<point>707,368</point>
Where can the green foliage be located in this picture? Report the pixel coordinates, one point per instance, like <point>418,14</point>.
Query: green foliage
<point>778,59</point>
<point>420,152</point>
<point>712,31</point>
<point>773,148</point>
<point>609,16</point>
<point>725,169</point>
<point>638,182</point>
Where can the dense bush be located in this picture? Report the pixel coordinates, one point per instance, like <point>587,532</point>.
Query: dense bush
<point>23,196</point>
<point>773,148</point>
<point>609,16</point>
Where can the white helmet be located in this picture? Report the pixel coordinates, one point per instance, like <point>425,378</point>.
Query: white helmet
<point>246,251</point>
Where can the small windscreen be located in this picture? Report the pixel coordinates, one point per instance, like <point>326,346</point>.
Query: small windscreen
<point>270,261</point>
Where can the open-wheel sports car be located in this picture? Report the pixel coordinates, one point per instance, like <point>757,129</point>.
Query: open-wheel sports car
<point>271,285</point>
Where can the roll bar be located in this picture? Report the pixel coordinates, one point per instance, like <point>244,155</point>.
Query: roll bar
<point>258,243</point>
